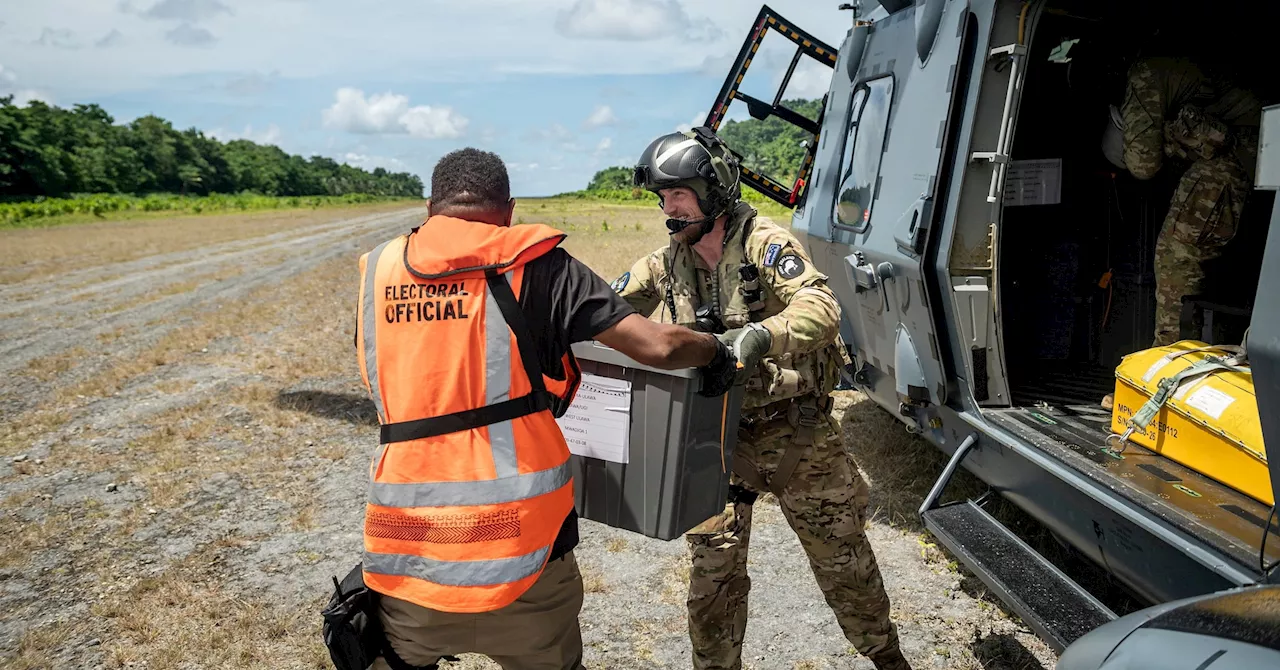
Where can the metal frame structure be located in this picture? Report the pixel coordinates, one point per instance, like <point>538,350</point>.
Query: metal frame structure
<point>806,45</point>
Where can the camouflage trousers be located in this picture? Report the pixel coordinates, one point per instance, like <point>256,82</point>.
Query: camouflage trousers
<point>1203,216</point>
<point>824,502</point>
<point>1206,208</point>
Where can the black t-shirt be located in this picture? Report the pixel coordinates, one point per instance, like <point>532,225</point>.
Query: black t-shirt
<point>565,302</point>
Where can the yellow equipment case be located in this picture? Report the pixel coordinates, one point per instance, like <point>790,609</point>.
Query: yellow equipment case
<point>1194,404</point>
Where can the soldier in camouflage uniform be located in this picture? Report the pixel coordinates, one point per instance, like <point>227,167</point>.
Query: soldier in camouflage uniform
<point>1174,111</point>
<point>727,268</point>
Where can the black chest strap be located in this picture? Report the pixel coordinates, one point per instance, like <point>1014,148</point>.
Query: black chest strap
<point>537,400</point>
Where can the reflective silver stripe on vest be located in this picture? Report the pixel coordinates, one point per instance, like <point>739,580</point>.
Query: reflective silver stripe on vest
<point>457,573</point>
<point>370,328</point>
<point>464,494</point>
<point>497,384</point>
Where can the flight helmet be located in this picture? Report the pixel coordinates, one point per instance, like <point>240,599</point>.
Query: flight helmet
<point>699,160</point>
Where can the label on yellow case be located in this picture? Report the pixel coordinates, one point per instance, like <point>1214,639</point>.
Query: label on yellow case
<point>1211,401</point>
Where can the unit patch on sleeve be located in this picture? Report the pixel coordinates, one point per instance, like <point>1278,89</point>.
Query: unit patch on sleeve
<point>621,282</point>
<point>771,254</point>
<point>790,266</point>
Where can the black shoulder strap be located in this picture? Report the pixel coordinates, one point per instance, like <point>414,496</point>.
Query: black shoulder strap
<point>502,294</point>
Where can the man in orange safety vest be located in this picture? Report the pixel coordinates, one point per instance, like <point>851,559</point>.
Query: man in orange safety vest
<point>464,327</point>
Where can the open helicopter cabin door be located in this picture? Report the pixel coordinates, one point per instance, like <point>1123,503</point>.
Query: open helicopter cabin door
<point>883,148</point>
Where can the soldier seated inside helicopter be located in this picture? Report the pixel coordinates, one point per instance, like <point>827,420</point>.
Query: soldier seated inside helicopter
<point>1130,219</point>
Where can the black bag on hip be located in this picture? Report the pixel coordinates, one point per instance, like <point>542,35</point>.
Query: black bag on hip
<point>352,630</point>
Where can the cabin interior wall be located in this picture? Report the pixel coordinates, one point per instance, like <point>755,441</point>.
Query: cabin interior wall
<point>1078,281</point>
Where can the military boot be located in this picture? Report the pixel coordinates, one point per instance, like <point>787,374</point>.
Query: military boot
<point>891,659</point>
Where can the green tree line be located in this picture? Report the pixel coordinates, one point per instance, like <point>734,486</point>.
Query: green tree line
<point>771,147</point>
<point>53,152</point>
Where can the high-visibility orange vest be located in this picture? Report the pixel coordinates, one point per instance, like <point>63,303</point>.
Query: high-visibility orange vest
<point>471,483</point>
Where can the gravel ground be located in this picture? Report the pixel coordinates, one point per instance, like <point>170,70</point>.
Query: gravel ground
<point>184,447</point>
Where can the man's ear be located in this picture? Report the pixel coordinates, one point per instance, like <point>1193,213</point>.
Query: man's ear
<point>510,214</point>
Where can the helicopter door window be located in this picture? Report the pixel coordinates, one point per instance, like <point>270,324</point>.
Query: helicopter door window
<point>863,149</point>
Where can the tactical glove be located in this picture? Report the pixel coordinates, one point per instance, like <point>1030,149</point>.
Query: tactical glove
<point>718,375</point>
<point>749,343</point>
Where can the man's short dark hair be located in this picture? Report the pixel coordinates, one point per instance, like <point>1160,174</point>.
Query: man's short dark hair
<point>470,179</point>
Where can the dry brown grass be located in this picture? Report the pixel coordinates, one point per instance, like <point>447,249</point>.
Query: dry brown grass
<point>675,580</point>
<point>609,237</point>
<point>175,457</point>
<point>185,616</point>
<point>46,368</point>
<point>36,647</point>
<point>16,434</point>
<point>37,252</point>
<point>899,467</point>
<point>174,386</point>
<point>146,298</point>
<point>23,538</point>
<point>175,288</point>
<point>237,316</point>
<point>168,621</point>
<point>631,232</point>
<point>112,335</point>
<point>592,578</point>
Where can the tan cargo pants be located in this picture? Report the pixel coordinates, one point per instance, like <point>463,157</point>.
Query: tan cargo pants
<point>824,502</point>
<point>539,631</point>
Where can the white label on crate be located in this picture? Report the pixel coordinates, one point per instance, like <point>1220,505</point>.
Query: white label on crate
<point>1033,182</point>
<point>1211,401</point>
<point>599,420</point>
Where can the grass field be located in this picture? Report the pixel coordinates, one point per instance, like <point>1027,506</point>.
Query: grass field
<point>46,212</point>
<point>185,440</point>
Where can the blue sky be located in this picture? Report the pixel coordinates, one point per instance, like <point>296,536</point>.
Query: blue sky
<point>558,88</point>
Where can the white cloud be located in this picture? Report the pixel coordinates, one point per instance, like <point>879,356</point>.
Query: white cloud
<point>187,35</point>
<point>370,162</point>
<point>697,120</point>
<point>388,32</point>
<point>602,116</point>
<point>718,66</point>
<point>622,19</point>
<point>604,145</point>
<point>252,83</point>
<point>433,122</point>
<point>182,10</point>
<point>111,39</point>
<point>60,39</point>
<point>390,113</point>
<point>269,136</point>
<point>21,98</point>
<point>810,80</point>
<point>554,133</point>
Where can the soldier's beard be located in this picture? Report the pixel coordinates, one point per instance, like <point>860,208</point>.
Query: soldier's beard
<point>693,231</point>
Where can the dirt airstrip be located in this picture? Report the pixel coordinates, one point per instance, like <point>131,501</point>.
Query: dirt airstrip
<point>184,446</point>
